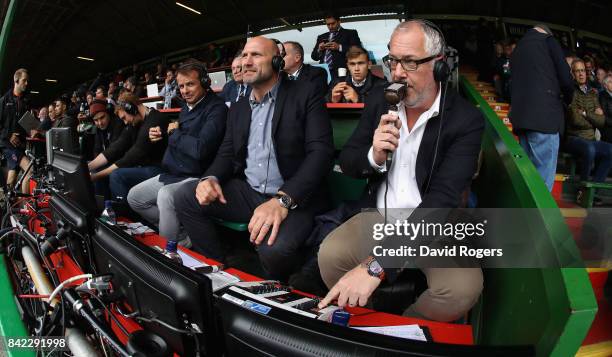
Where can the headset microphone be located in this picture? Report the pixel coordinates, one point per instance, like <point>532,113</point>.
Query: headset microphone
<point>394,94</point>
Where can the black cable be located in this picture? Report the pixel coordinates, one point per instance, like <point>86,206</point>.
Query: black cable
<point>115,320</point>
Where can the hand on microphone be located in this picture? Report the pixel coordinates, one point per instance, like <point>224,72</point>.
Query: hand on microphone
<point>386,137</point>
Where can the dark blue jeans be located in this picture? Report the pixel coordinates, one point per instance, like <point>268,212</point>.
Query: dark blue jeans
<point>121,180</point>
<point>591,151</point>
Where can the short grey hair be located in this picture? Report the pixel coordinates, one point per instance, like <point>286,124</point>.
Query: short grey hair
<point>434,43</point>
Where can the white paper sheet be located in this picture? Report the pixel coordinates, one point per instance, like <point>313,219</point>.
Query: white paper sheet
<point>412,332</point>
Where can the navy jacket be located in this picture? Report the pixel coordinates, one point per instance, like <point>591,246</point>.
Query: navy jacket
<point>316,75</point>
<point>302,137</point>
<point>193,146</point>
<point>230,92</point>
<point>11,110</point>
<point>541,82</point>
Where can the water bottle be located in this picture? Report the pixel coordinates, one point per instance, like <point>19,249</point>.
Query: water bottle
<point>108,215</point>
<point>171,252</point>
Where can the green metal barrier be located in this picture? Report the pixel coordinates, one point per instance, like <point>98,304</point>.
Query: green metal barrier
<point>549,308</point>
<point>10,319</point>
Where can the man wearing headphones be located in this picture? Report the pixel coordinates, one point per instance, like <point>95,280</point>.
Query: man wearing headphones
<point>435,140</point>
<point>192,145</point>
<point>132,158</point>
<point>269,169</point>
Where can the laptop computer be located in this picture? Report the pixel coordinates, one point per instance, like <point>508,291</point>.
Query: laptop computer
<point>29,122</point>
<point>217,80</point>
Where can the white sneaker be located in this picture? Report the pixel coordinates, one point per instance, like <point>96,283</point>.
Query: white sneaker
<point>184,241</point>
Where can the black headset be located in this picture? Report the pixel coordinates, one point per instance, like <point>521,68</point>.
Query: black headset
<point>200,68</point>
<point>278,61</point>
<point>129,108</point>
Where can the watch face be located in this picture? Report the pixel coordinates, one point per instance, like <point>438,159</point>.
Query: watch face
<point>375,268</point>
<point>285,201</point>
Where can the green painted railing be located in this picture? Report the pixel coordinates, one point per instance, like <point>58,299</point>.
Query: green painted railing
<point>11,324</point>
<point>549,308</point>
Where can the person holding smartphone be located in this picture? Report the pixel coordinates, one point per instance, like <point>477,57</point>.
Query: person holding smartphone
<point>331,47</point>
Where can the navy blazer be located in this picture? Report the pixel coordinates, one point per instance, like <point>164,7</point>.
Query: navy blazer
<point>346,38</point>
<point>455,163</point>
<point>302,138</point>
<point>229,93</point>
<point>541,83</point>
<point>193,146</point>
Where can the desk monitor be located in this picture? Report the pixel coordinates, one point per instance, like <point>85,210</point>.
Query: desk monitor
<point>157,288</point>
<point>277,332</point>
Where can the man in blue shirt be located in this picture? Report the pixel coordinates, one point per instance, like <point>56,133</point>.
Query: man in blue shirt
<point>236,88</point>
<point>192,145</point>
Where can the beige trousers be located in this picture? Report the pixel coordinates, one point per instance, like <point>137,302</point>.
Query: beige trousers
<point>451,292</point>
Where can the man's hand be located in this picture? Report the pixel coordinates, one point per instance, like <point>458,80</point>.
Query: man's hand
<point>322,46</point>
<point>334,46</point>
<point>81,116</point>
<point>34,133</point>
<point>338,92</point>
<point>208,191</point>
<point>94,176</point>
<point>598,111</point>
<point>386,137</point>
<point>268,214</point>
<point>350,94</point>
<point>14,140</point>
<point>172,126</point>
<point>155,134</point>
<point>355,287</point>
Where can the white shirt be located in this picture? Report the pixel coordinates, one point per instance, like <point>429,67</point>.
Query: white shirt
<point>196,103</point>
<point>403,189</point>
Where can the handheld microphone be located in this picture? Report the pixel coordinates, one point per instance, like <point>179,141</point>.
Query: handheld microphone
<point>394,94</point>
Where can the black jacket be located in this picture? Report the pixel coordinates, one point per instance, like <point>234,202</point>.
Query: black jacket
<point>302,138</point>
<point>371,84</point>
<point>229,93</point>
<point>605,100</point>
<point>11,110</point>
<point>133,147</point>
<point>193,146</point>
<point>346,38</point>
<point>104,138</point>
<point>456,160</point>
<point>315,75</point>
<point>541,83</point>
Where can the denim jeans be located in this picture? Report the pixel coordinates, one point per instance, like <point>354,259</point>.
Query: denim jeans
<point>122,179</point>
<point>591,151</point>
<point>543,150</point>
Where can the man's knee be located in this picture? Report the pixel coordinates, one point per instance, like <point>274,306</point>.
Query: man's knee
<point>184,196</point>
<point>165,198</point>
<point>279,260</point>
<point>454,295</point>
<point>134,197</point>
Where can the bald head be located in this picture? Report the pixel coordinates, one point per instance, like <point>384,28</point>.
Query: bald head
<point>257,61</point>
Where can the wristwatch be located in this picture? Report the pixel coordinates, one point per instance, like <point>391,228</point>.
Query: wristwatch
<point>374,269</point>
<point>285,201</point>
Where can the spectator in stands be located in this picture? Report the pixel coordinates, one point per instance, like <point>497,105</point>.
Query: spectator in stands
<point>13,105</point>
<point>355,87</point>
<point>148,79</point>
<point>135,73</point>
<point>101,92</point>
<point>169,90</point>
<point>160,74</point>
<point>503,74</point>
<point>584,116</point>
<point>109,129</point>
<point>43,114</point>
<point>345,256</point>
<point>541,83</point>
<point>192,145</point>
<point>605,100</point>
<point>132,158</point>
<point>213,57</point>
<point>64,120</point>
<point>235,89</point>
<point>297,70</point>
<point>113,93</point>
<point>331,47</point>
<point>268,172</point>
<point>131,85</point>
<point>89,97</point>
<point>589,65</point>
<point>600,74</point>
